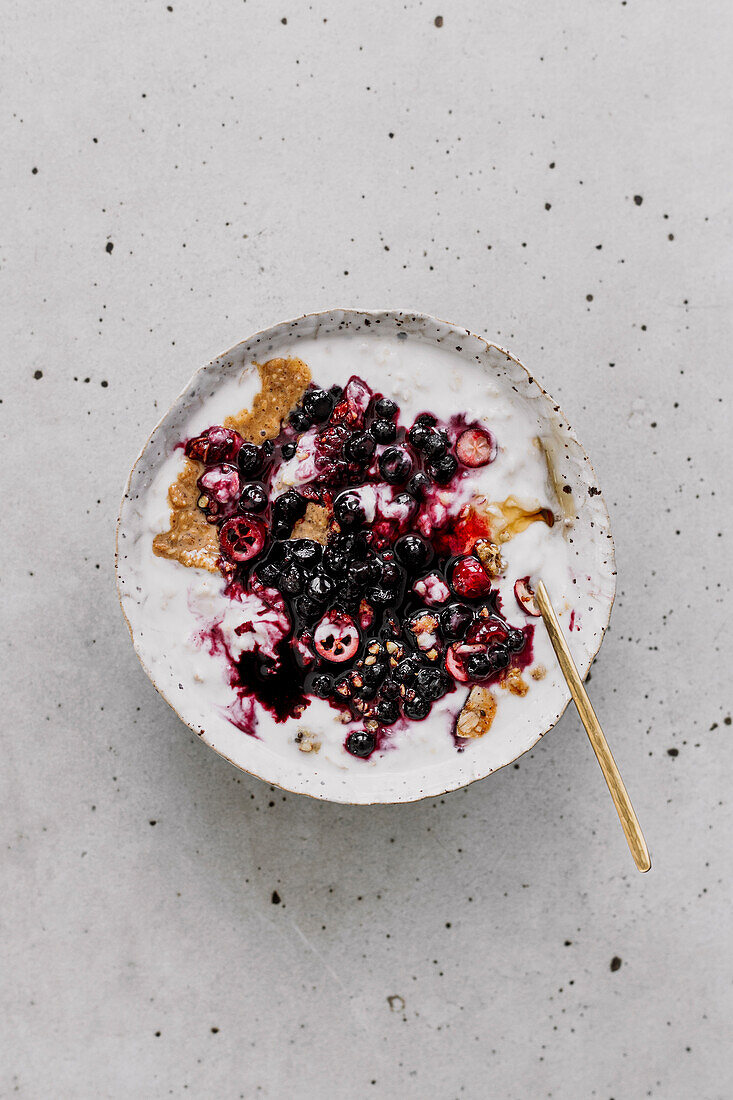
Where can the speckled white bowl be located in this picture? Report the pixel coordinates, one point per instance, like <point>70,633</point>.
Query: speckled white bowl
<point>295,771</point>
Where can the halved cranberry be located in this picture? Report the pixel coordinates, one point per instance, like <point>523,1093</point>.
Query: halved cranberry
<point>242,537</point>
<point>525,597</point>
<point>336,637</point>
<point>220,483</point>
<point>487,632</point>
<point>456,657</point>
<point>476,447</point>
<point>216,444</point>
<point>470,579</point>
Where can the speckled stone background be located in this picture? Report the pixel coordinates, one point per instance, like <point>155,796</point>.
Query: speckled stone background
<point>176,176</point>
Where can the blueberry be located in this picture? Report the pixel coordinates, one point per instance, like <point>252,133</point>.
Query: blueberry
<point>387,408</point>
<point>395,465</point>
<point>360,447</point>
<point>269,574</point>
<point>288,450</point>
<point>253,497</point>
<point>433,446</point>
<point>309,609</point>
<point>455,620</point>
<point>291,580</point>
<point>413,552</point>
<point>499,656</point>
<point>379,596</point>
<point>416,708</point>
<point>285,511</point>
<point>407,670</point>
<point>516,640</point>
<point>443,469</point>
<point>361,743</point>
<point>392,575</point>
<point>430,683</point>
<point>348,509</point>
<point>336,392</point>
<point>336,562</point>
<point>318,405</point>
<point>387,712</point>
<point>426,420</point>
<point>390,690</point>
<point>384,431</point>
<point>299,420</point>
<point>479,667</point>
<point>321,685</point>
<point>364,573</point>
<point>249,459</point>
<point>418,485</point>
<point>307,553</point>
<point>320,587</point>
<point>372,675</point>
<point>418,434</point>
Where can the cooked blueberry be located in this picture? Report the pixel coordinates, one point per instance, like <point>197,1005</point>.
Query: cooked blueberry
<point>360,743</point>
<point>336,392</point>
<point>288,450</point>
<point>285,511</point>
<point>300,420</point>
<point>426,420</point>
<point>291,580</point>
<point>418,485</point>
<point>516,640</point>
<point>321,685</point>
<point>386,407</point>
<point>393,576</point>
<point>364,573</point>
<point>249,459</point>
<point>360,447</point>
<point>387,712</point>
<point>443,469</point>
<point>455,620</point>
<point>479,667</point>
<point>384,431</point>
<point>390,690</point>
<point>416,708</point>
<point>320,587</point>
<point>269,574</point>
<point>307,552</point>
<point>433,445</point>
<point>374,674</point>
<point>318,404</point>
<point>379,596</point>
<point>395,465</point>
<point>336,562</point>
<point>407,670</point>
<point>348,509</point>
<point>430,683</point>
<point>309,609</point>
<point>413,551</point>
<point>253,497</point>
<point>499,656</point>
<point>418,434</point>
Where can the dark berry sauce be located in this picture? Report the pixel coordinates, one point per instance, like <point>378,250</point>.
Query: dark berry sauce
<point>397,608</point>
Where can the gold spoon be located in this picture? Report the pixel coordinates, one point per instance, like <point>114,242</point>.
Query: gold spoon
<point>621,800</point>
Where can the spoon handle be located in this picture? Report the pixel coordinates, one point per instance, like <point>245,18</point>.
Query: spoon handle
<point>621,800</point>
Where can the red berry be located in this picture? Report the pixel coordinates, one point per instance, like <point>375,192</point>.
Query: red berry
<point>216,444</point>
<point>525,597</point>
<point>487,631</point>
<point>242,537</point>
<point>470,579</point>
<point>456,657</point>
<point>220,483</point>
<point>336,637</point>
<point>476,447</point>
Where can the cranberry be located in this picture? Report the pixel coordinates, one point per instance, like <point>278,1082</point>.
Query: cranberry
<point>216,444</point>
<point>487,631</point>
<point>360,743</point>
<point>253,497</point>
<point>242,537</point>
<point>525,597</point>
<point>476,447</point>
<point>413,552</point>
<point>395,465</point>
<point>220,483</point>
<point>456,657</point>
<point>336,637</point>
<point>470,579</point>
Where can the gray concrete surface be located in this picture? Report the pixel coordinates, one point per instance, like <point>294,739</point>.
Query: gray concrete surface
<point>176,176</point>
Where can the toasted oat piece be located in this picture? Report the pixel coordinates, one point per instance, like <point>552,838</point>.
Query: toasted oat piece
<point>307,741</point>
<point>313,525</point>
<point>489,555</point>
<point>515,683</point>
<point>538,672</point>
<point>478,713</point>
<point>190,540</point>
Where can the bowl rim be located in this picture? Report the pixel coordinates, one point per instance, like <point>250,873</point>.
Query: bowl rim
<point>354,313</point>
